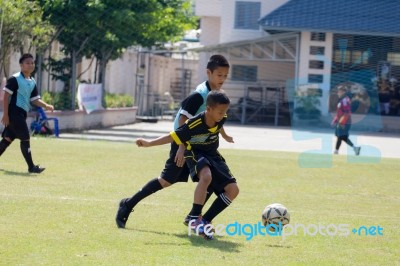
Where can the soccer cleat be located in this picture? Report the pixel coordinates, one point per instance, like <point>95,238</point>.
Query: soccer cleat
<point>336,152</point>
<point>197,225</point>
<point>122,214</point>
<point>36,169</point>
<point>186,220</point>
<point>357,150</point>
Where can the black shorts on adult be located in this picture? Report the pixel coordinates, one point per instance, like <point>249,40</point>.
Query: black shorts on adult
<point>171,172</point>
<point>17,127</point>
<point>221,175</point>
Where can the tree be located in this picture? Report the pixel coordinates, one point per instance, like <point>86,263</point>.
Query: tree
<point>22,29</point>
<point>105,28</point>
<point>124,23</point>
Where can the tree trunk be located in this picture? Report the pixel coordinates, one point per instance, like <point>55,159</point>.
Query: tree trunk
<point>73,79</point>
<point>39,80</point>
<point>103,66</point>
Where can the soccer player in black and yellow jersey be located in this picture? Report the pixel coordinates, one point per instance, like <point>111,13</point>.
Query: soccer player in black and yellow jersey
<point>200,135</point>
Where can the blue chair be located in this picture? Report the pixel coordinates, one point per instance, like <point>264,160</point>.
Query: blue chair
<point>42,120</point>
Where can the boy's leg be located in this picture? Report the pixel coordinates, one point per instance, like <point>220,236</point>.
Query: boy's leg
<point>25,146</point>
<point>338,143</point>
<point>200,193</point>
<point>222,201</point>
<point>355,148</point>
<point>4,145</point>
<point>170,175</point>
<point>210,191</point>
<point>348,141</point>
<point>151,187</point>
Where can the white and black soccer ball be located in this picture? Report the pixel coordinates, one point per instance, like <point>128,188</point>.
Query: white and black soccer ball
<point>274,214</point>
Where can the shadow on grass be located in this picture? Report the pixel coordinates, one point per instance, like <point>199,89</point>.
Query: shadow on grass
<point>218,243</point>
<point>13,173</point>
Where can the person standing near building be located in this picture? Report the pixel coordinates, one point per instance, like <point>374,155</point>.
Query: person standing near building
<point>342,121</point>
<point>19,92</point>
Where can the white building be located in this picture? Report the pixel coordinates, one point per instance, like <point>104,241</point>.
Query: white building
<point>302,47</point>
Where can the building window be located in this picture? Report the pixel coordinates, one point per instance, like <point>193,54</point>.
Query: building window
<point>359,57</point>
<point>316,64</point>
<point>341,56</point>
<point>317,50</point>
<point>318,36</point>
<point>244,73</point>
<point>314,78</point>
<point>394,58</point>
<point>247,15</point>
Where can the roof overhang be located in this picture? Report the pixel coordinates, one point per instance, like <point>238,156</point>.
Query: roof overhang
<point>278,47</point>
<point>357,17</point>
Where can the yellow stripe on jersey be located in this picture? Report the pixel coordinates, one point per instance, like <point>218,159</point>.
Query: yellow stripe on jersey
<point>195,123</point>
<point>175,138</point>
<point>212,130</point>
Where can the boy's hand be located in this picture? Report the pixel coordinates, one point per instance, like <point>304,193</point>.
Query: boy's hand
<point>5,120</point>
<point>142,143</point>
<point>179,157</point>
<point>49,107</point>
<point>229,139</point>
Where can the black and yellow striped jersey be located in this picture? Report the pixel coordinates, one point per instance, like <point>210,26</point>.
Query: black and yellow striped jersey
<point>197,136</point>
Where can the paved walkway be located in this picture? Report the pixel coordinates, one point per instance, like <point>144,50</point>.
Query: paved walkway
<point>259,138</point>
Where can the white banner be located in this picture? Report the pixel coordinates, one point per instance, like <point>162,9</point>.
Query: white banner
<point>89,97</point>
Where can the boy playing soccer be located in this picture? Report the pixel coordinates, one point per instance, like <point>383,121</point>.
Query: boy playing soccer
<point>342,121</point>
<point>19,93</point>
<point>200,135</point>
<point>175,168</point>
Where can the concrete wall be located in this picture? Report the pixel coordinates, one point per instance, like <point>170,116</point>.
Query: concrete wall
<point>79,120</point>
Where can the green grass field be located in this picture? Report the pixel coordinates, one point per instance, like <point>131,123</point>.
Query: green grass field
<point>65,216</point>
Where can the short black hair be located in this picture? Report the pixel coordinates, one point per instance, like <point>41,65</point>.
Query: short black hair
<point>217,97</point>
<point>216,61</point>
<point>25,56</point>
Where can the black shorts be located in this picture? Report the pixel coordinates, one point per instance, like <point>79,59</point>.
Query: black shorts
<point>342,131</point>
<point>17,127</point>
<point>171,172</point>
<point>221,175</point>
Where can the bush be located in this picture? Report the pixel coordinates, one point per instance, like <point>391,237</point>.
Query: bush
<point>118,100</point>
<point>62,100</point>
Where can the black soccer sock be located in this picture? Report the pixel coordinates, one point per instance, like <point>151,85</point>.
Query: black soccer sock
<point>219,204</point>
<point>3,145</point>
<point>26,152</point>
<point>348,141</point>
<point>338,143</point>
<point>151,187</point>
<point>196,211</point>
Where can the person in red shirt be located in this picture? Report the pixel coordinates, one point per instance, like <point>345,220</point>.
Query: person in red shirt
<point>342,121</point>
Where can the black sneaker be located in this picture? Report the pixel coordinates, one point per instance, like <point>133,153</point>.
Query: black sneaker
<point>122,214</point>
<point>187,220</point>
<point>36,169</point>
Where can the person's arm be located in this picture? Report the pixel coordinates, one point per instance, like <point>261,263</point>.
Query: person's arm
<point>226,136</point>
<point>5,119</point>
<point>40,103</point>
<point>180,153</point>
<point>155,142</point>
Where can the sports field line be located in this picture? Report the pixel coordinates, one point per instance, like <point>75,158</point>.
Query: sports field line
<point>67,198</point>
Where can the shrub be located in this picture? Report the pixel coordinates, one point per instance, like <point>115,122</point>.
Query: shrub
<point>62,100</point>
<point>113,100</point>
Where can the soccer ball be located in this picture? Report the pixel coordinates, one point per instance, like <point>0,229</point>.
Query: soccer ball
<point>274,214</point>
